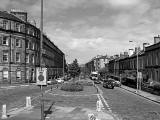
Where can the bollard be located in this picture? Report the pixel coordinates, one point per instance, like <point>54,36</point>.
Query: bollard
<point>4,112</point>
<point>28,102</point>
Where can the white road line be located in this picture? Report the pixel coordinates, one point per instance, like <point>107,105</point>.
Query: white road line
<point>105,102</point>
<point>71,95</point>
<point>100,96</point>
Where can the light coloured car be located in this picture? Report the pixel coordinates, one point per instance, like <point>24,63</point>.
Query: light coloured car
<point>117,83</point>
<point>60,80</point>
<point>49,82</point>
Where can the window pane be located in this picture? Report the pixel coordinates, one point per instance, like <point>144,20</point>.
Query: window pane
<point>18,43</point>
<point>5,40</point>
<point>27,58</point>
<point>27,44</point>
<point>17,57</point>
<point>33,46</point>
<point>32,59</point>
<point>27,73</point>
<point>18,74</point>
<point>5,74</point>
<point>5,57</point>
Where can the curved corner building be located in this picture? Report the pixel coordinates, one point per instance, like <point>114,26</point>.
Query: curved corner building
<point>20,50</point>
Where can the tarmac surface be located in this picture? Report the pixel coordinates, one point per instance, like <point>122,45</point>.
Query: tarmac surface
<point>60,105</point>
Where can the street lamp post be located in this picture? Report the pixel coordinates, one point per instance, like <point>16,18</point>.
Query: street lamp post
<point>63,65</point>
<point>41,47</point>
<point>137,71</point>
<point>137,67</point>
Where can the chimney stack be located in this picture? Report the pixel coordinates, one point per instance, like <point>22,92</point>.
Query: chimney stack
<point>157,39</point>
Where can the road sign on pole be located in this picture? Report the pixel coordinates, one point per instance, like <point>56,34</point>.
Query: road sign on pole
<point>41,76</point>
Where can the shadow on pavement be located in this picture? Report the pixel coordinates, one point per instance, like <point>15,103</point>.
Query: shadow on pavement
<point>49,111</point>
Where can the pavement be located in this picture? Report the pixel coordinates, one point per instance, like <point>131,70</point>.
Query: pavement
<point>13,86</point>
<point>60,105</point>
<point>149,96</point>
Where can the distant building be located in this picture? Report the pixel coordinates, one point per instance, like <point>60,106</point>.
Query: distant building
<point>98,62</point>
<point>148,63</point>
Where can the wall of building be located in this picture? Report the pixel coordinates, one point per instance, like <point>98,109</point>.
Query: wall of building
<point>20,51</point>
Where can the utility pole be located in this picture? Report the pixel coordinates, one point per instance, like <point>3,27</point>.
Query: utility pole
<point>10,55</point>
<point>41,48</point>
<point>137,67</point>
<point>137,71</point>
<point>63,65</point>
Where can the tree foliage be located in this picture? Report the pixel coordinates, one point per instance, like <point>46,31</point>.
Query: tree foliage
<point>74,69</point>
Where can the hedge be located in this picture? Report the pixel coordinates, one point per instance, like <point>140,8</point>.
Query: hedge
<point>85,82</point>
<point>72,87</point>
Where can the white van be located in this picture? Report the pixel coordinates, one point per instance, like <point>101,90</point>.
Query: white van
<point>94,76</point>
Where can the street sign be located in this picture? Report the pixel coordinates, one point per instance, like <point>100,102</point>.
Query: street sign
<point>41,76</point>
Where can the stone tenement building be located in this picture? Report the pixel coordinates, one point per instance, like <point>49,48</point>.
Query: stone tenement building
<point>20,50</point>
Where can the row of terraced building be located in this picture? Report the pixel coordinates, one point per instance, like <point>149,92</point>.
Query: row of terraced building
<point>148,63</point>
<point>20,50</point>
<point>126,65</point>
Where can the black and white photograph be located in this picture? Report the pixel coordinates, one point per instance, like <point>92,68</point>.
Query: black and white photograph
<point>79,59</point>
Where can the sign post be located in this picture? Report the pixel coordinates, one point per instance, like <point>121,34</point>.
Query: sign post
<point>42,104</point>
<point>41,81</point>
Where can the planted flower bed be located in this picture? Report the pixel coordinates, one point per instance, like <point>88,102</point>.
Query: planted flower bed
<point>85,82</point>
<point>72,87</point>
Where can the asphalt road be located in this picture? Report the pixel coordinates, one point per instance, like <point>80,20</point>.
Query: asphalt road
<point>129,106</point>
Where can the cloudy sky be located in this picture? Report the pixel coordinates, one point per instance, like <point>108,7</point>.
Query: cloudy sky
<point>83,29</point>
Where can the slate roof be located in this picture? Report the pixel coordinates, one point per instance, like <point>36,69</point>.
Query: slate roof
<point>7,15</point>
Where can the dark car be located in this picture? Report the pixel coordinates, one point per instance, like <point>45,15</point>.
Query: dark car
<point>108,83</point>
<point>97,81</point>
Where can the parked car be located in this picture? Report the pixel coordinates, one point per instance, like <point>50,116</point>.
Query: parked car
<point>49,82</point>
<point>60,80</point>
<point>117,83</point>
<point>97,81</point>
<point>109,83</point>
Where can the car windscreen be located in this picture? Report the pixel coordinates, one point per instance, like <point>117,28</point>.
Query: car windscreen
<point>94,75</point>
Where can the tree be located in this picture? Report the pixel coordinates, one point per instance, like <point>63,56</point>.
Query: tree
<point>74,69</point>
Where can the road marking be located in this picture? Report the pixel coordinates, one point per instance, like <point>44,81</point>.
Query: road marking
<point>100,96</point>
<point>71,95</point>
<point>105,102</point>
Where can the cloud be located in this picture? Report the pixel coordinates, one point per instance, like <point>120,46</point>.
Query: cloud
<point>4,4</point>
<point>84,28</point>
<point>123,2</point>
